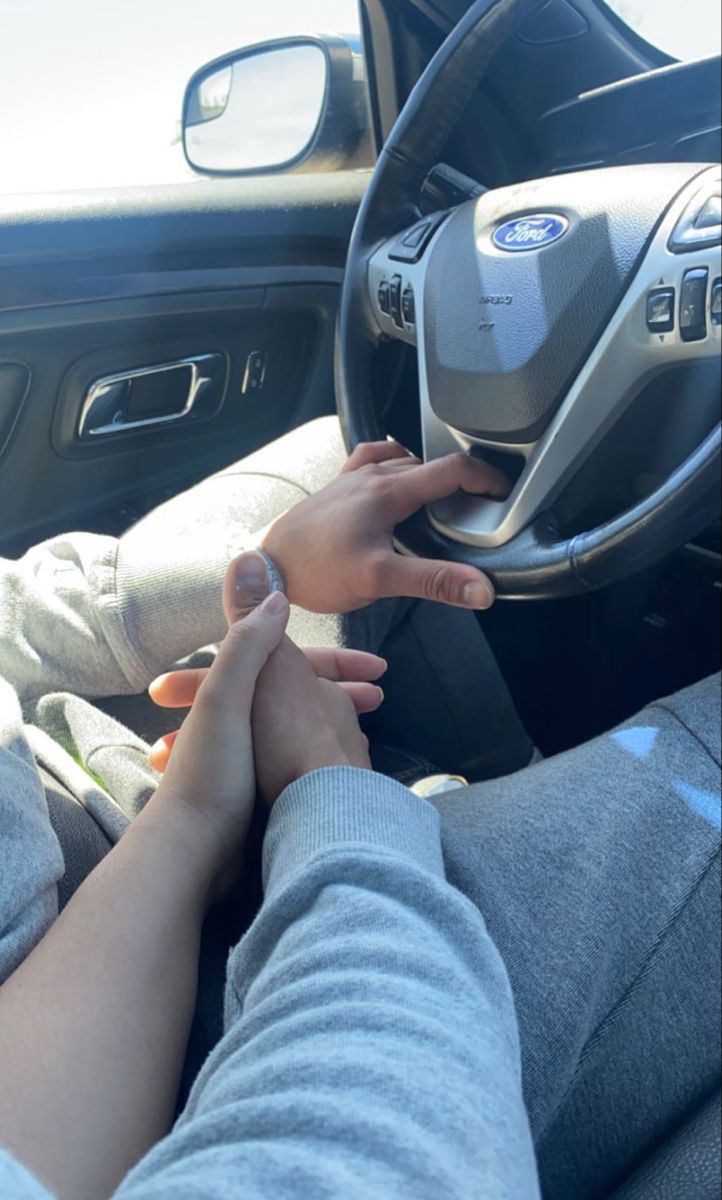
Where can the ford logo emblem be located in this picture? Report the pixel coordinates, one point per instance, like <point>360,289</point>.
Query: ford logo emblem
<point>530,233</point>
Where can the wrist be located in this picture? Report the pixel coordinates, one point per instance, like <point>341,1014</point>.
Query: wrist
<point>327,762</point>
<point>187,845</point>
<point>317,760</point>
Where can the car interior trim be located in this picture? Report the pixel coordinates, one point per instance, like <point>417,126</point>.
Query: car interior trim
<point>108,404</point>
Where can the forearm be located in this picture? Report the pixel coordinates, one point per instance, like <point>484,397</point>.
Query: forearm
<point>94,1023</point>
<point>372,1046</point>
<point>97,617</point>
<point>100,616</point>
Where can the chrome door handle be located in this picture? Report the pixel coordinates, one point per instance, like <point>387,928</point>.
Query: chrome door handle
<point>183,390</point>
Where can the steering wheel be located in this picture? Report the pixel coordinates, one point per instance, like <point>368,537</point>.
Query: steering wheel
<point>539,311</point>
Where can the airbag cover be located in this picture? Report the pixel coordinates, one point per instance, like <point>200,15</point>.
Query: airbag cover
<point>506,332</point>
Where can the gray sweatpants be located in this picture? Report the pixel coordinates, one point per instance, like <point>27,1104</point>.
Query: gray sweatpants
<point>598,875</point>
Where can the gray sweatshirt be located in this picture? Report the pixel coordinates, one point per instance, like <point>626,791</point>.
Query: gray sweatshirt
<point>371,1047</point>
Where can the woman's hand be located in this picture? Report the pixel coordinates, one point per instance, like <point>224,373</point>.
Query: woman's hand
<point>205,800</point>
<point>335,550</point>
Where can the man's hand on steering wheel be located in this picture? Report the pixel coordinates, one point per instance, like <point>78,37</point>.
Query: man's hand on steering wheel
<point>335,550</point>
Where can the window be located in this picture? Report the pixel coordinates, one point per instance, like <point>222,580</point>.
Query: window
<point>91,93</point>
<point>680,30</point>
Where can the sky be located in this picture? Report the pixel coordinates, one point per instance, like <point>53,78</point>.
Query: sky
<point>91,90</point>
<point>684,29</point>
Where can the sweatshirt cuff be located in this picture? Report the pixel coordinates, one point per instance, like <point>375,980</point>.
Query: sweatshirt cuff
<point>346,808</point>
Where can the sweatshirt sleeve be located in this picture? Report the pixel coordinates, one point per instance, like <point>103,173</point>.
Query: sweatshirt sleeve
<point>18,1184</point>
<point>100,616</point>
<point>31,862</point>
<point>371,1045</point>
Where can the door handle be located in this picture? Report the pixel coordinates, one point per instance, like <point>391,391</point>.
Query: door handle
<point>147,397</point>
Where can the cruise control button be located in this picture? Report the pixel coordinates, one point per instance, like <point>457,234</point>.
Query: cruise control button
<point>660,310</point>
<point>716,304</point>
<point>408,306</point>
<point>395,298</point>
<point>693,299</point>
<point>385,297</point>
<point>711,214</point>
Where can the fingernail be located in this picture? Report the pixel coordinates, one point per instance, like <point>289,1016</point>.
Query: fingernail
<point>275,604</point>
<point>477,595</point>
<point>251,575</point>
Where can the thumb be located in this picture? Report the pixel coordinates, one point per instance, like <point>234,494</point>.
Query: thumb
<point>244,652</point>
<point>247,583</point>
<point>444,582</point>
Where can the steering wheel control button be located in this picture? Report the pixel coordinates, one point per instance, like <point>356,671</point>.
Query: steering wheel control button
<point>408,306</point>
<point>385,297</point>
<point>411,245</point>
<point>701,222</point>
<point>417,236</point>
<point>397,284</point>
<point>716,302</point>
<point>710,216</point>
<point>692,305</point>
<point>660,310</point>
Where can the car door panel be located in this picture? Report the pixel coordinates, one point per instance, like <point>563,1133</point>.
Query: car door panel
<point>94,286</point>
<point>233,216</point>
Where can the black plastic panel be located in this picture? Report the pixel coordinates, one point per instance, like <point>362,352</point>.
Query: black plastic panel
<point>200,218</point>
<point>649,116</point>
<point>556,21</point>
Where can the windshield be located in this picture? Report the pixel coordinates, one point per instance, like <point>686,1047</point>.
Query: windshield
<point>683,31</point>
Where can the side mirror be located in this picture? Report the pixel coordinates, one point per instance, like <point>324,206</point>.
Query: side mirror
<point>295,104</point>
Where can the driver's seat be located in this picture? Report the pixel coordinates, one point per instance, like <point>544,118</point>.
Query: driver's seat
<point>685,1167</point>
